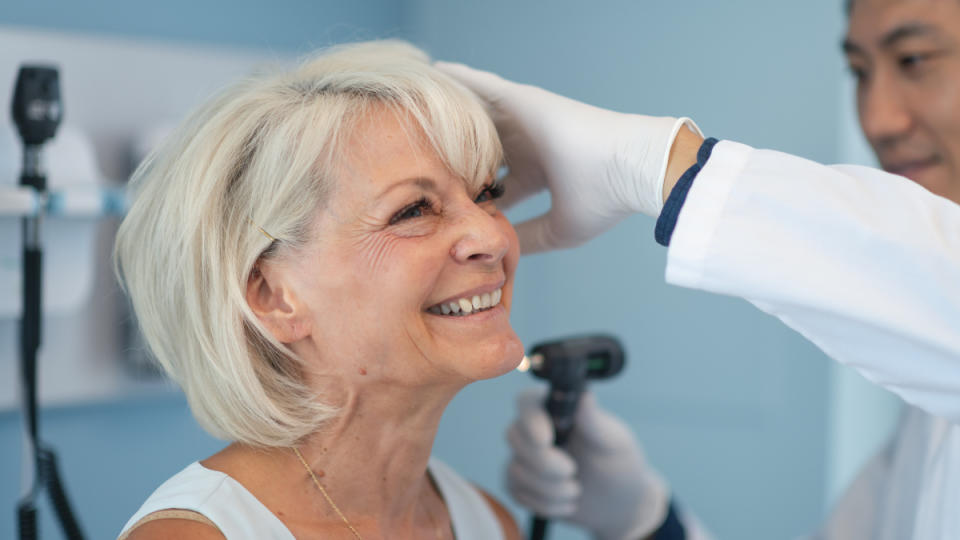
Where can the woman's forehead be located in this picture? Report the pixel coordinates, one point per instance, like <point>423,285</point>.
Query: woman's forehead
<point>388,146</point>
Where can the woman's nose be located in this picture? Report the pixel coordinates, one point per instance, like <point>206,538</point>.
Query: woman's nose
<point>481,238</point>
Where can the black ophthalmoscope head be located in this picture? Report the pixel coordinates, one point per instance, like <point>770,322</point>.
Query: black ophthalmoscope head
<point>36,106</point>
<point>37,111</point>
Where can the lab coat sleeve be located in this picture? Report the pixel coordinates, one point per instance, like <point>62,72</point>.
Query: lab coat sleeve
<point>864,264</point>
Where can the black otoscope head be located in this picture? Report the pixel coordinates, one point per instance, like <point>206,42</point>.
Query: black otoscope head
<point>36,103</point>
<point>567,364</point>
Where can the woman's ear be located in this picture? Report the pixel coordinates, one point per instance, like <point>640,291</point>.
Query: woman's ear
<point>273,300</point>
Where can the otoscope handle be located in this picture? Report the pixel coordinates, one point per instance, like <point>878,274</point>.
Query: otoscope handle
<point>538,531</point>
<point>562,407</point>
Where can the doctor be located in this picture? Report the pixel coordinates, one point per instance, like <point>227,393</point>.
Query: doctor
<point>863,263</point>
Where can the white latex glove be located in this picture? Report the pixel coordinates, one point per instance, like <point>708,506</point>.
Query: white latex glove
<point>600,166</point>
<point>600,482</point>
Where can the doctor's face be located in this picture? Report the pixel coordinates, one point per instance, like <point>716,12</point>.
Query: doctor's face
<point>905,55</point>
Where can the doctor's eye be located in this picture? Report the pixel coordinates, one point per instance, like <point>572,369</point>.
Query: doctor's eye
<point>911,61</point>
<point>490,192</point>
<point>858,73</point>
<point>918,63</point>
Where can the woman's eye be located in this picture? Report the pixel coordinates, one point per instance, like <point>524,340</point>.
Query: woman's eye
<point>490,192</point>
<point>411,211</point>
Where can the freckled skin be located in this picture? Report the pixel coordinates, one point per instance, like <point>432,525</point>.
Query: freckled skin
<point>368,282</point>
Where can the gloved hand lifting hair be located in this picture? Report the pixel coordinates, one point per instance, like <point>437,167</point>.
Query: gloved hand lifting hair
<point>600,166</point>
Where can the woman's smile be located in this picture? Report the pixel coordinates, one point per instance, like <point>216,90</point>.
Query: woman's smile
<point>470,302</point>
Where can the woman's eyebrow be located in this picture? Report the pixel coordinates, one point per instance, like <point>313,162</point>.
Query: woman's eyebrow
<point>420,181</point>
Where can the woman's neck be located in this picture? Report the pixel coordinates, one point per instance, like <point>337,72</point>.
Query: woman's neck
<point>371,460</point>
<point>374,454</point>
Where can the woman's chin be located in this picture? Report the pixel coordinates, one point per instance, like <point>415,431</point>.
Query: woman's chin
<point>501,360</point>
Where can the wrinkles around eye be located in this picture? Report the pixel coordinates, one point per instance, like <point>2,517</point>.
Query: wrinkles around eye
<point>412,211</point>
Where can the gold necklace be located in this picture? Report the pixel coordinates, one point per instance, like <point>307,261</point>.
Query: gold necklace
<point>434,526</point>
<point>346,522</point>
<point>325,495</point>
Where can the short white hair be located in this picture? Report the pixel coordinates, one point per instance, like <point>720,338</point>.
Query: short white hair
<point>252,165</point>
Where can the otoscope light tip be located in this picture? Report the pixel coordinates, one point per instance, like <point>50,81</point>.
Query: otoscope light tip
<point>533,362</point>
<point>524,365</point>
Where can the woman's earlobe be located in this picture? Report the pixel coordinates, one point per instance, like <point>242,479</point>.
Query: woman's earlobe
<point>275,305</point>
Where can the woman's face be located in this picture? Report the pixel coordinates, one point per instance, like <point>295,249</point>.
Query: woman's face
<point>400,240</point>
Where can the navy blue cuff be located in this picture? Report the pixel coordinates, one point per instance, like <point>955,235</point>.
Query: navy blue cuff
<point>671,528</point>
<point>678,195</point>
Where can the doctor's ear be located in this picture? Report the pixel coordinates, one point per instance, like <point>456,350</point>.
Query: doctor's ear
<point>274,302</point>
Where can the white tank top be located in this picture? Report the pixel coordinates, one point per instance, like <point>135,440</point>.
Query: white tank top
<point>239,515</point>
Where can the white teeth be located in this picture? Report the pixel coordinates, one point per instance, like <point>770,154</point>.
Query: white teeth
<point>466,306</point>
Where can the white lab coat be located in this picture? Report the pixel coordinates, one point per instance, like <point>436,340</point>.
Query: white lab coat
<point>866,265</point>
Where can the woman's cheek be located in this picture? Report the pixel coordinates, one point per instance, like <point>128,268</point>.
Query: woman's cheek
<point>513,252</point>
<point>376,252</point>
<point>379,249</point>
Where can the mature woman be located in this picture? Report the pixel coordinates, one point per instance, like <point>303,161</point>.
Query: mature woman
<point>316,258</point>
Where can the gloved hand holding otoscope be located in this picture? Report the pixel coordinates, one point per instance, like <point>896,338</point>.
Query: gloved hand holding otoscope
<point>567,364</point>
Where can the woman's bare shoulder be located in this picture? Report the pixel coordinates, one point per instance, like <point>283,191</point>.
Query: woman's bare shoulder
<point>174,524</point>
<point>511,531</point>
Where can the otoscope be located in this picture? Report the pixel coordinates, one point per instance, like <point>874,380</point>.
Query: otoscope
<point>568,364</point>
<point>37,112</point>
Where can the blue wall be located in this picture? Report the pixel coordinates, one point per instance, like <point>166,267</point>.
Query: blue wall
<point>730,405</point>
<point>298,25</point>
